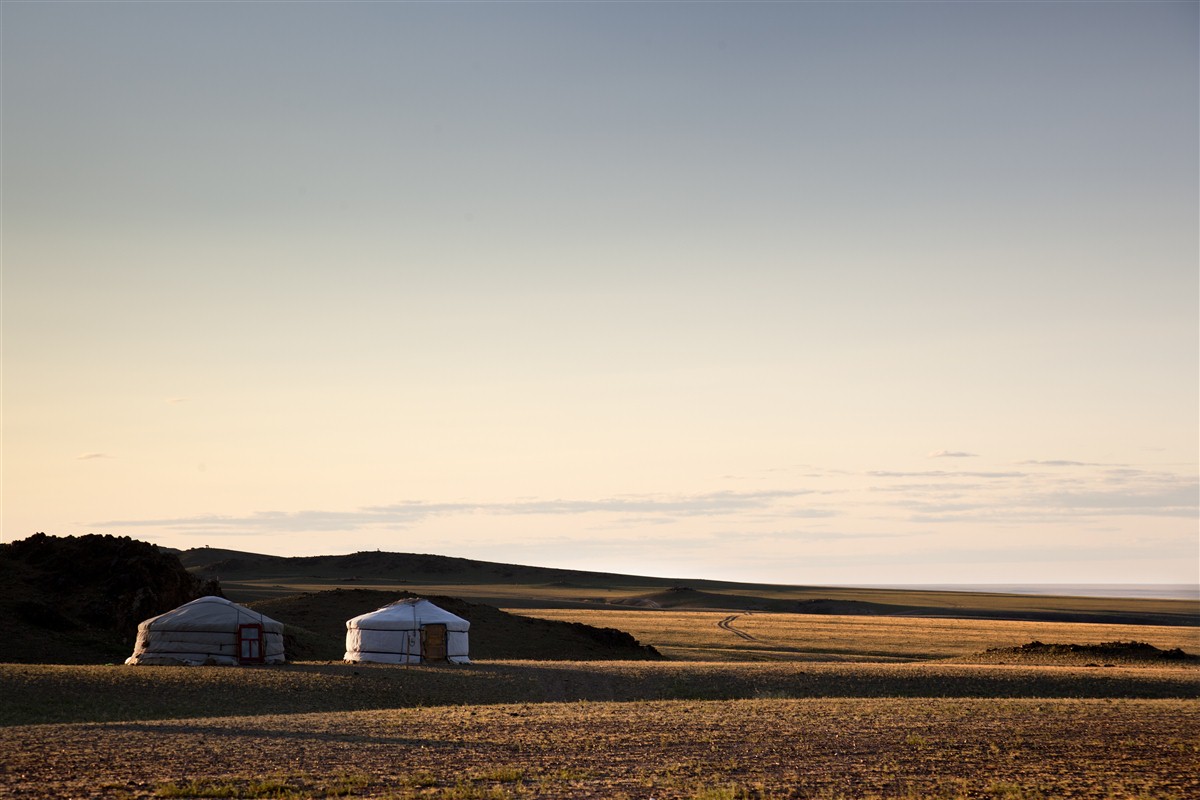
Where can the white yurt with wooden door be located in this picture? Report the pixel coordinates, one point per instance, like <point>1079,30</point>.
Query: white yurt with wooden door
<point>411,631</point>
<point>211,630</point>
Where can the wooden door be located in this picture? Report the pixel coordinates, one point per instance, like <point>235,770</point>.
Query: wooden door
<point>433,643</point>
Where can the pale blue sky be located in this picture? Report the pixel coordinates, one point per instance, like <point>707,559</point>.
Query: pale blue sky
<point>797,292</point>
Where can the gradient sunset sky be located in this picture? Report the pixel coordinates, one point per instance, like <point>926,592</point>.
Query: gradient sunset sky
<point>824,293</point>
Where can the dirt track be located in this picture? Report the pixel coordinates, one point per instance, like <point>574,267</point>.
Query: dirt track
<point>727,625</point>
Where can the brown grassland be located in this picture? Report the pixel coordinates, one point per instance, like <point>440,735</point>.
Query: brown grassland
<point>700,635</point>
<point>752,706</point>
<point>816,747</point>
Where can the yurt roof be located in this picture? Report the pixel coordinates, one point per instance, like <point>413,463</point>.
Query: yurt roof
<point>408,614</point>
<point>210,614</point>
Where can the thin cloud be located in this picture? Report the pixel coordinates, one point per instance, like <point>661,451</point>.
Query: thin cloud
<point>411,512</point>
<point>1180,500</point>
<point>937,473</point>
<point>176,400</point>
<point>684,505</point>
<point>784,536</point>
<point>1036,496</point>
<point>951,454</point>
<point>91,456</point>
<point>937,489</point>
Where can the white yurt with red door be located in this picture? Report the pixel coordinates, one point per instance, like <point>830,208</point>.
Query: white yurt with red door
<point>411,631</point>
<point>211,630</point>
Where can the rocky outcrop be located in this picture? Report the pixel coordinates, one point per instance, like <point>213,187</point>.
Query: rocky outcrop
<point>62,598</point>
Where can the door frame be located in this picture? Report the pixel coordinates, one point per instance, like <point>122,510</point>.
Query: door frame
<point>428,654</point>
<point>251,644</point>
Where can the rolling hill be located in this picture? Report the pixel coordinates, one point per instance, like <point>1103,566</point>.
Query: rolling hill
<point>247,577</point>
<point>78,600</point>
<point>317,629</point>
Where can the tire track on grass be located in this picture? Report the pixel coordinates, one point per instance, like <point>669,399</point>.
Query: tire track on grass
<point>727,625</point>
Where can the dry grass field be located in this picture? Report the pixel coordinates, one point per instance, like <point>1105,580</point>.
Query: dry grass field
<point>753,705</point>
<point>39,694</point>
<point>528,729</point>
<point>766,748</point>
<point>722,636</point>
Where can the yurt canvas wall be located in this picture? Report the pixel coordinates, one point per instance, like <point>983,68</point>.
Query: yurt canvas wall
<point>407,632</point>
<point>211,630</point>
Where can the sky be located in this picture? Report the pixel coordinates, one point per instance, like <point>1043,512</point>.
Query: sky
<point>801,293</point>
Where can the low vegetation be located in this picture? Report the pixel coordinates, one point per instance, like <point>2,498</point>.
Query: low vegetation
<point>65,694</point>
<point>767,748</point>
<point>1104,654</point>
<point>720,636</point>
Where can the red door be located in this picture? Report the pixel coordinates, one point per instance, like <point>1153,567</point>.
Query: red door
<point>250,644</point>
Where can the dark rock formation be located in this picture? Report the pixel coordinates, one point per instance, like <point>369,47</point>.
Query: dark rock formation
<point>71,598</point>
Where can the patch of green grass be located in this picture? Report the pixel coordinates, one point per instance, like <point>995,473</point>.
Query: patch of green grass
<point>269,788</point>
<point>464,790</point>
<point>727,792</point>
<point>504,774</point>
<point>346,785</point>
<point>229,788</point>
<point>1002,790</point>
<point>117,791</point>
<point>420,779</point>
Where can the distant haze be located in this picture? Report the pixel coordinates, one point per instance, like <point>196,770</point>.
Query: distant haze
<point>807,293</point>
<point>1164,591</point>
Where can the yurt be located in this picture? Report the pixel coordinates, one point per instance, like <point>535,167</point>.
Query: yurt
<point>210,630</point>
<point>411,631</point>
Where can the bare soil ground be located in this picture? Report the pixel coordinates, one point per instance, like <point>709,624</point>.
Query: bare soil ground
<point>800,748</point>
<point>601,730</point>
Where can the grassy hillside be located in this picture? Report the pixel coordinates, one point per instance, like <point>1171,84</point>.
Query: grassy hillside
<point>318,629</point>
<point>249,576</point>
<point>79,600</point>
<point>72,600</point>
